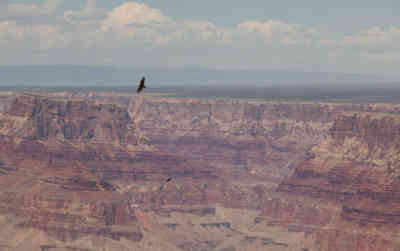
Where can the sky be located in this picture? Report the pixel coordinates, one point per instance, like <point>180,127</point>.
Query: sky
<point>357,36</point>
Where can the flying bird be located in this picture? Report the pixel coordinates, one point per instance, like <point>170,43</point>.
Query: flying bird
<point>165,182</point>
<point>141,85</point>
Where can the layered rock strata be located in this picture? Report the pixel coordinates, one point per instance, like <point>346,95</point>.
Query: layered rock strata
<point>82,172</point>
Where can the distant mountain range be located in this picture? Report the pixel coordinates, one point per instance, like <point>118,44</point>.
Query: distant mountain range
<point>64,75</point>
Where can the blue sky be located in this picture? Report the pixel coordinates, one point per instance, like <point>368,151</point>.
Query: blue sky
<point>339,15</point>
<point>359,36</point>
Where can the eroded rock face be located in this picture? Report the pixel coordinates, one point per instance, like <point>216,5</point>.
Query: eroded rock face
<point>74,121</point>
<point>356,167</point>
<point>84,172</point>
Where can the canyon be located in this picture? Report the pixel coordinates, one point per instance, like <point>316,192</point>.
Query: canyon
<point>82,171</point>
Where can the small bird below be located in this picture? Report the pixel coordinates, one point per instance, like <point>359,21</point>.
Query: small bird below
<point>141,85</point>
<point>165,182</point>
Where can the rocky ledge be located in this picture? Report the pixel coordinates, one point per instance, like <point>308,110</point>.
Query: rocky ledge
<point>83,172</point>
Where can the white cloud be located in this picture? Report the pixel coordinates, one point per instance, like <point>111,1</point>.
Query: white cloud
<point>132,13</point>
<point>205,32</point>
<point>374,38</point>
<point>37,37</point>
<point>137,28</point>
<point>90,14</point>
<point>134,24</point>
<point>9,32</point>
<point>277,32</point>
<point>30,13</point>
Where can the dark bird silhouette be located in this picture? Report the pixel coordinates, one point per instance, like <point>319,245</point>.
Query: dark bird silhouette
<point>141,85</point>
<point>165,182</point>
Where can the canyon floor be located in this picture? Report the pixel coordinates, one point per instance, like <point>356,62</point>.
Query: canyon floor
<point>82,172</point>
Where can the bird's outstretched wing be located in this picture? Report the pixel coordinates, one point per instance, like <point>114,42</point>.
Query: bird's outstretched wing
<point>141,85</point>
<point>165,182</point>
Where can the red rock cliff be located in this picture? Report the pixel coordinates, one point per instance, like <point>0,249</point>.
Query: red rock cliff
<point>83,172</point>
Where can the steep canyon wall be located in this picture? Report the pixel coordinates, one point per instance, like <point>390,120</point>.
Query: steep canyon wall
<point>83,172</point>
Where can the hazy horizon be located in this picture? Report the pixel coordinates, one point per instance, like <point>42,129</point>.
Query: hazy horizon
<point>108,76</point>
